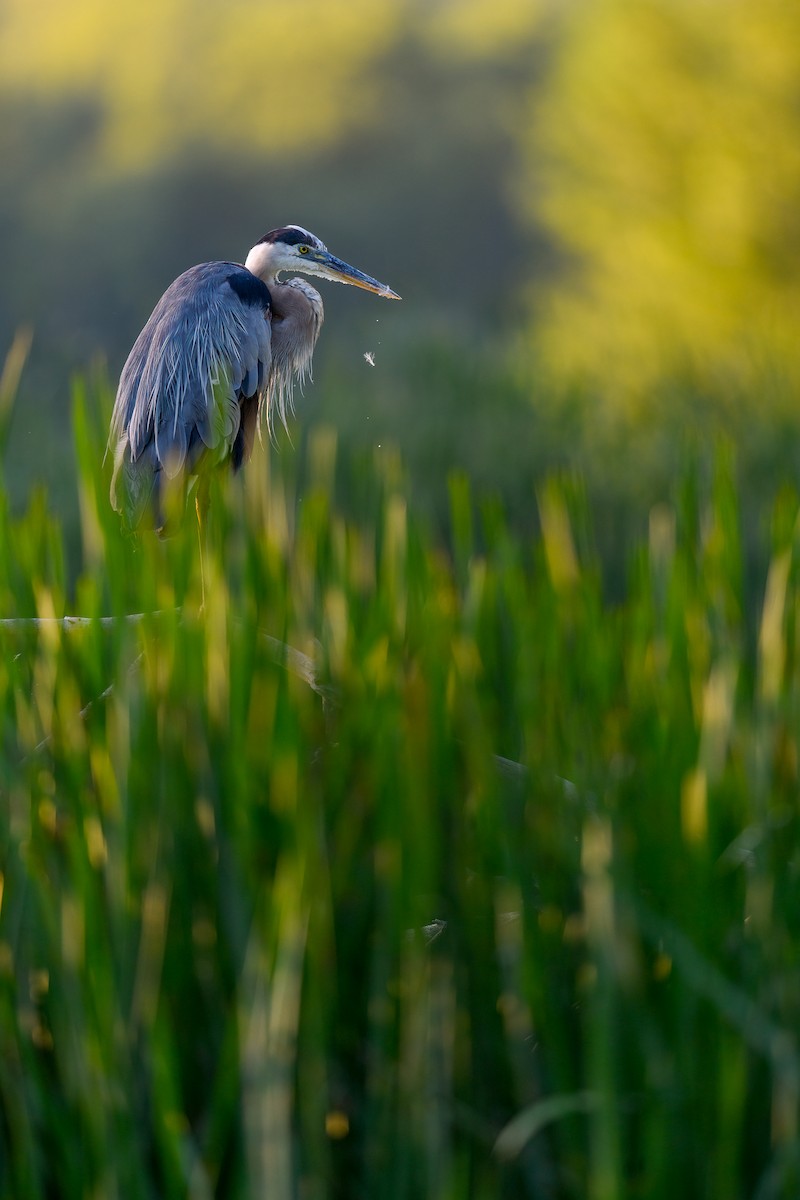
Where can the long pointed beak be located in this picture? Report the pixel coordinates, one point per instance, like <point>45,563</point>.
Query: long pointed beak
<point>333,268</point>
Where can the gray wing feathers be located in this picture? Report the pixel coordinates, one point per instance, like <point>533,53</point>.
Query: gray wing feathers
<point>202,349</point>
<point>250,382</point>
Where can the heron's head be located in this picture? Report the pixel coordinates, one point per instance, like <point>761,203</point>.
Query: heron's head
<point>292,248</point>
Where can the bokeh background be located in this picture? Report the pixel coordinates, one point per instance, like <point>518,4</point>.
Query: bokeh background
<point>592,211</point>
<point>578,748</point>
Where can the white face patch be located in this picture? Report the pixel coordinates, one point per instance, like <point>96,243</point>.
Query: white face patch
<point>268,258</point>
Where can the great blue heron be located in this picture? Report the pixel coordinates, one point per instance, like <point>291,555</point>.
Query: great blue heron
<point>222,349</point>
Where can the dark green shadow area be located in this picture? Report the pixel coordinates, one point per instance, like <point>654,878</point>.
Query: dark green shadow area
<point>505,905</point>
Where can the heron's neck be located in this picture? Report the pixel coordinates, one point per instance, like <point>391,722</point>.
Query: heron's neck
<point>296,301</point>
<point>293,299</point>
<point>296,321</point>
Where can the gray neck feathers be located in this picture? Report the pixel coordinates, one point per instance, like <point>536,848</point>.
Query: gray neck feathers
<point>297,316</point>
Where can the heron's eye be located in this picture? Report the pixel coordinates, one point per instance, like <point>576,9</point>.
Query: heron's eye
<point>303,249</point>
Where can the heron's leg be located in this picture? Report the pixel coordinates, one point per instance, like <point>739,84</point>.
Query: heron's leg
<point>201,508</point>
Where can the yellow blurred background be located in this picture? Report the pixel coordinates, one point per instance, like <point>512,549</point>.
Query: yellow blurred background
<point>590,209</point>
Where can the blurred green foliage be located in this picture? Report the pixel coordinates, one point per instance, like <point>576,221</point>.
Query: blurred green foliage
<point>187,72</point>
<point>496,895</point>
<point>664,151</point>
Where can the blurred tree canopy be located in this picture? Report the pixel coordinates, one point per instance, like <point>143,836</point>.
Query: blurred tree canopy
<point>591,211</point>
<point>252,76</point>
<point>247,75</point>
<point>666,153</point>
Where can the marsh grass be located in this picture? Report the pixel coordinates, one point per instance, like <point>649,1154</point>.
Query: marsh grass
<point>507,907</point>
